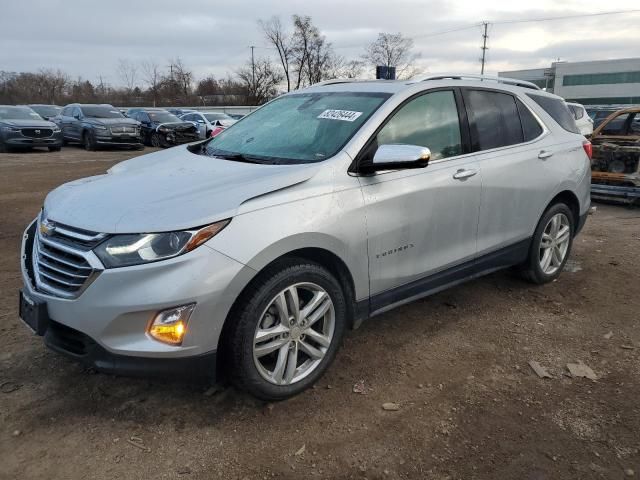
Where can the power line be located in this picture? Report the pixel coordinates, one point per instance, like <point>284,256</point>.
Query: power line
<point>564,17</point>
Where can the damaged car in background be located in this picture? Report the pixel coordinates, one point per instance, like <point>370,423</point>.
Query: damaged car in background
<point>159,128</point>
<point>616,157</point>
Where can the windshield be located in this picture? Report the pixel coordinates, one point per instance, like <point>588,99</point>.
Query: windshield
<point>298,128</point>
<point>18,113</point>
<point>163,117</point>
<point>212,117</point>
<point>101,112</point>
<point>47,110</point>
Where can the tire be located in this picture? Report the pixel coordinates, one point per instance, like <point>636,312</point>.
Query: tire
<point>3,148</point>
<point>55,149</point>
<point>88,141</point>
<point>532,270</point>
<point>258,312</point>
<point>156,140</point>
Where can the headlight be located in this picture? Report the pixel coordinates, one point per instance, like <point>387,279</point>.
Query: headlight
<point>134,249</point>
<point>99,127</point>
<point>11,129</point>
<point>56,130</point>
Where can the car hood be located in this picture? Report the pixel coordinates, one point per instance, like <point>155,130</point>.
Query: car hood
<point>28,123</point>
<point>112,121</point>
<point>169,190</point>
<point>177,125</point>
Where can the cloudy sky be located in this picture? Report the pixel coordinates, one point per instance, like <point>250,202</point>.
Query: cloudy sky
<point>87,37</point>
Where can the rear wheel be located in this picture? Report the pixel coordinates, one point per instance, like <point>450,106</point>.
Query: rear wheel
<point>287,331</point>
<point>551,245</point>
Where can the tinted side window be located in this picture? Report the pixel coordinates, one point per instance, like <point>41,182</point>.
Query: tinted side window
<point>531,129</point>
<point>431,121</point>
<point>557,110</point>
<point>494,119</point>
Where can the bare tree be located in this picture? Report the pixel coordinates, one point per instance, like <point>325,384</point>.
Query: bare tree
<point>262,86</point>
<point>153,78</point>
<point>351,69</point>
<point>393,50</point>
<point>303,35</point>
<point>276,35</point>
<point>182,77</point>
<point>128,73</point>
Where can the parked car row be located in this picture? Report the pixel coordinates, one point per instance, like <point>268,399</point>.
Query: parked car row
<point>101,125</point>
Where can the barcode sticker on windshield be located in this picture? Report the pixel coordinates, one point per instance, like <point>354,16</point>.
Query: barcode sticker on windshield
<point>344,115</point>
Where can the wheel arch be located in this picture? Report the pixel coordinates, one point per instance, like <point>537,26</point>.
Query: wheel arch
<point>571,200</point>
<point>321,256</point>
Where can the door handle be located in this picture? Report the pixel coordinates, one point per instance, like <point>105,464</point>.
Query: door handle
<point>544,154</point>
<point>462,174</point>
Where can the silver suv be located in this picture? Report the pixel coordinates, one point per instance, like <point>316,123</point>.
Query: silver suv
<point>249,255</point>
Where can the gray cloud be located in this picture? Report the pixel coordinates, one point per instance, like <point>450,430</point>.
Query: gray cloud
<point>86,38</point>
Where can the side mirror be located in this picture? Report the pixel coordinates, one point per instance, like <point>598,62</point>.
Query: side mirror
<point>400,156</point>
<point>77,116</point>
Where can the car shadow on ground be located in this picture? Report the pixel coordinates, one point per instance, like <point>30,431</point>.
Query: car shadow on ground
<point>72,390</point>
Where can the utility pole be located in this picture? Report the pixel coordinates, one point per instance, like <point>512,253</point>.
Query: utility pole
<point>484,47</point>
<point>253,67</point>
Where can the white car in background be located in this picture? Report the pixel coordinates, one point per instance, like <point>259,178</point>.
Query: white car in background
<point>583,120</point>
<point>209,124</point>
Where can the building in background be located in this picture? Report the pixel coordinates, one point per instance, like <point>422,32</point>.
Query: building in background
<point>602,82</point>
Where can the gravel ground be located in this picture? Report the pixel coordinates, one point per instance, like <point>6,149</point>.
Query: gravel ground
<point>456,364</point>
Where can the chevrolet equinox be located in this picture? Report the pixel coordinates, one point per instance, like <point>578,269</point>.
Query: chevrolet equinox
<point>250,254</point>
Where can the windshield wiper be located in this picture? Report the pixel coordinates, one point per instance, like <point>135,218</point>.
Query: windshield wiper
<point>236,157</point>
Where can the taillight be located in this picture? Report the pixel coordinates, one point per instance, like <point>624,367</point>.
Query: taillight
<point>588,149</point>
<point>216,131</point>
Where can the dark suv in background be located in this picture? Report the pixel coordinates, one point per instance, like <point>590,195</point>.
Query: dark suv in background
<point>47,112</point>
<point>21,127</point>
<point>159,128</point>
<point>98,125</point>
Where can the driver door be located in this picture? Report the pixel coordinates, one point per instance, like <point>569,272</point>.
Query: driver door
<point>422,223</point>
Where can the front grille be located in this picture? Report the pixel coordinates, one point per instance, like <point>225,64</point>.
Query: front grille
<point>61,259</point>
<point>37,132</point>
<point>67,339</point>
<point>123,129</point>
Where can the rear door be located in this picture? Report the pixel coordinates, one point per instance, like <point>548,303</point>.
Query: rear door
<point>424,221</point>
<point>516,155</point>
<point>66,118</point>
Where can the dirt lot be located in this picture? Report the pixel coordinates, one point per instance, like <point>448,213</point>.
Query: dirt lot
<point>456,363</point>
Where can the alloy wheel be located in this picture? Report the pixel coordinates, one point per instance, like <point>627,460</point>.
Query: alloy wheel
<point>294,333</point>
<point>554,243</point>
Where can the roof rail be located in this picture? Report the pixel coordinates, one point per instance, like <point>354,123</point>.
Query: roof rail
<point>471,76</point>
<point>333,82</point>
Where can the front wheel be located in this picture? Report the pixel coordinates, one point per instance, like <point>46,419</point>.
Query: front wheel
<point>88,141</point>
<point>156,140</point>
<point>287,330</point>
<point>551,245</point>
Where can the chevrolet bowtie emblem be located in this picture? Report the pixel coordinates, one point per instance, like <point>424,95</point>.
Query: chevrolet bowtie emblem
<point>47,227</point>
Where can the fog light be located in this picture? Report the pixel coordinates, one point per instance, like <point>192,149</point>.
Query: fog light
<point>169,326</point>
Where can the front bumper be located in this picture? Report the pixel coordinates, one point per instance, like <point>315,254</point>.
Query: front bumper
<point>82,348</point>
<point>109,319</point>
<point>19,140</point>
<point>106,139</point>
